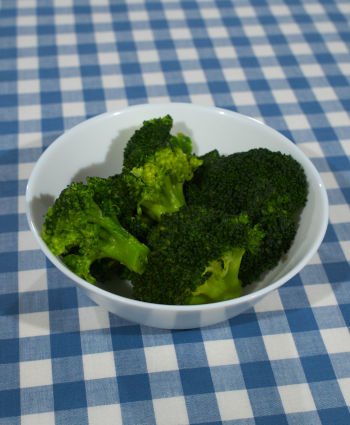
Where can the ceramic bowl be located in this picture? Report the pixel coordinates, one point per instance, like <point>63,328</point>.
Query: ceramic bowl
<point>95,148</point>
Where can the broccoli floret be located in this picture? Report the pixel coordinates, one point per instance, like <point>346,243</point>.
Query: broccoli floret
<point>195,257</point>
<point>82,226</point>
<point>156,165</point>
<point>270,187</point>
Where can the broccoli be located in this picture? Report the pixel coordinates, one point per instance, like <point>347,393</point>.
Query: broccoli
<point>156,165</point>
<point>195,257</point>
<point>270,187</point>
<point>83,226</point>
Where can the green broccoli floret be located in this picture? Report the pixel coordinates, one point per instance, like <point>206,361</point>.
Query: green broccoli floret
<point>270,187</point>
<point>156,165</point>
<point>195,257</point>
<point>83,226</point>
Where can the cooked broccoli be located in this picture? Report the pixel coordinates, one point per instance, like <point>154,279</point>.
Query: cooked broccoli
<point>156,165</point>
<point>83,226</point>
<point>270,187</point>
<point>195,257</point>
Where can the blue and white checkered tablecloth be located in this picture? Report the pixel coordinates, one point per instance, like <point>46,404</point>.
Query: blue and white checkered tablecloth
<point>65,361</point>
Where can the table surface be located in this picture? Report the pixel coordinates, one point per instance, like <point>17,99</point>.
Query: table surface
<point>64,360</point>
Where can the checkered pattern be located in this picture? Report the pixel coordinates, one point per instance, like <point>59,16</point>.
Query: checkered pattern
<point>64,360</point>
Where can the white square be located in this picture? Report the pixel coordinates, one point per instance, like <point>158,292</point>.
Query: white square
<point>26,63</point>
<point>312,70</point>
<point>255,31</point>
<point>273,72</point>
<point>313,9</point>
<point>104,37</point>
<point>108,58</point>
<point>112,81</point>
<point>217,32</point>
<point>69,39</point>
<point>320,295</point>
<point>297,122</point>
<point>142,35</point>
<point>324,93</point>
<point>296,398</point>
<point>106,415</point>
<point>38,419</point>
<point>234,74</point>
<point>28,86</point>
<point>290,29</point>
<point>300,49</point>
<point>188,53</point>
<point>245,11</point>
<point>26,241</point>
<point>337,47</point>
<point>284,96</point>
<point>73,109</point>
<point>64,18</point>
<point>30,140</point>
<point>174,14</point>
<point>227,402</point>
<point>24,170</point>
<point>209,13</point>
<point>34,324</point>
<point>263,50</point>
<point>312,149</point>
<point>325,27</point>
<point>220,353</point>
<point>21,204</point>
<point>101,17</point>
<point>154,78</point>
<point>32,280</point>
<point>194,76</point>
<point>26,20</point>
<point>116,104</point>
<point>148,56</point>
<point>344,67</point>
<point>161,358</point>
<point>138,15</point>
<point>225,52</point>
<point>203,99</point>
<point>338,119</point>
<point>279,10</point>
<point>271,302</point>
<point>170,411</point>
<point>92,318</point>
<point>336,340</point>
<point>280,346</point>
<point>329,180</point>
<point>99,365</point>
<point>66,61</point>
<point>24,41</point>
<point>29,112</point>
<point>35,373</point>
<point>346,248</point>
<point>243,98</point>
<point>344,384</point>
<point>71,84</point>
<point>180,34</point>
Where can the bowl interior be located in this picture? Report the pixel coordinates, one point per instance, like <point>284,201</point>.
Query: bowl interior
<point>95,148</point>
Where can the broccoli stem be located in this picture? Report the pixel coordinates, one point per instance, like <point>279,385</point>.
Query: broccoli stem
<point>223,282</point>
<point>170,199</point>
<point>120,245</point>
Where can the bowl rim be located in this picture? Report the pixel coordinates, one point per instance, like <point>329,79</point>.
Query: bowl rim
<point>247,298</point>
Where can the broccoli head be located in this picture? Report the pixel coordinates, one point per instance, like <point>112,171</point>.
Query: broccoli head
<point>82,227</point>
<point>156,165</point>
<point>195,257</point>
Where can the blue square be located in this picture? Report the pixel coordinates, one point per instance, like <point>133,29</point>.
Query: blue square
<point>271,420</point>
<point>130,362</point>
<point>9,376</point>
<point>50,97</point>
<point>35,348</point>
<point>196,381</point>
<point>227,378</point>
<point>202,409</point>
<point>90,70</point>
<point>318,368</point>
<point>251,349</point>
<point>65,345</point>
<point>136,92</point>
<point>273,322</point>
<point>191,355</point>
<point>265,402</point>
<point>72,417</point>
<point>67,369</point>
<point>36,400</point>
<point>126,337</point>
<point>309,343</point>
<point>301,320</point>
<point>9,264</point>
<point>52,124</point>
<point>10,403</point>
<point>258,374</point>
<point>334,416</point>
<point>245,325</point>
<point>64,321</point>
<point>9,350</point>
<point>8,302</point>
<point>62,298</point>
<point>70,395</point>
<point>165,384</point>
<point>288,371</point>
<point>138,412</point>
<point>96,341</point>
<point>179,89</point>
<point>187,336</point>
<point>33,301</point>
<point>101,391</point>
<point>134,388</point>
<point>93,95</point>
<point>338,271</point>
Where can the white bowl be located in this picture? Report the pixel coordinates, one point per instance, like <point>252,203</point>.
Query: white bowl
<point>95,147</point>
